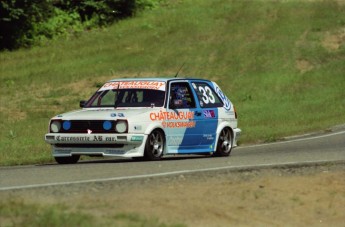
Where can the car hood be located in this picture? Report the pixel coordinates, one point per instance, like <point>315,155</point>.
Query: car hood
<point>103,113</point>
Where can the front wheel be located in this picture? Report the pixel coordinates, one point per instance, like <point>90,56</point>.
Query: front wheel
<point>154,147</point>
<point>224,144</point>
<point>67,160</point>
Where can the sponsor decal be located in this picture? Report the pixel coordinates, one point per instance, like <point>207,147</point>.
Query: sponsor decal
<point>222,96</point>
<point>137,138</point>
<point>163,116</point>
<point>85,138</point>
<point>119,115</point>
<point>209,113</point>
<point>175,140</point>
<point>179,124</point>
<point>208,136</point>
<point>153,85</point>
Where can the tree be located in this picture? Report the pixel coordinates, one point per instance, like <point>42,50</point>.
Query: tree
<point>17,18</point>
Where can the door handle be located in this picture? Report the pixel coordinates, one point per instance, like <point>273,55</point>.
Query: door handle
<point>197,113</point>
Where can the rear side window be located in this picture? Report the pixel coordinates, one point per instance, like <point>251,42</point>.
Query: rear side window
<point>206,95</point>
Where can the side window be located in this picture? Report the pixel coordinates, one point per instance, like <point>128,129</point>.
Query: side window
<point>105,98</point>
<point>108,99</point>
<point>181,96</point>
<point>206,95</point>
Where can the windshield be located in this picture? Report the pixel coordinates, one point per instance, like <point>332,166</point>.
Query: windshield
<point>126,94</point>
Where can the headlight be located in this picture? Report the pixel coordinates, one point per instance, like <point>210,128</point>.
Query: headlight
<point>121,126</point>
<point>55,126</point>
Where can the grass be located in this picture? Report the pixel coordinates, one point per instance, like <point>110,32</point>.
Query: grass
<point>280,62</point>
<point>14,212</point>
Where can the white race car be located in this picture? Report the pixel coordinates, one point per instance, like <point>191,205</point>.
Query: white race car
<point>147,118</point>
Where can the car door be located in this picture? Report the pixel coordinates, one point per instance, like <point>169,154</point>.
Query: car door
<point>209,103</point>
<point>182,120</point>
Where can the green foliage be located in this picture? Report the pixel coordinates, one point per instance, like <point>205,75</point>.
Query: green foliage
<point>61,24</point>
<point>17,19</point>
<point>27,23</point>
<point>16,212</point>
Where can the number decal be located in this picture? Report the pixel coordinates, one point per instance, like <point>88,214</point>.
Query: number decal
<point>207,96</point>
<point>210,95</point>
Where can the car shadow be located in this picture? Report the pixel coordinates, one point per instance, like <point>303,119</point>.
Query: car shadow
<point>101,160</point>
<point>124,160</point>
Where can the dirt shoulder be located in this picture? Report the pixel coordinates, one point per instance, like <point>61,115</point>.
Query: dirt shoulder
<point>292,196</point>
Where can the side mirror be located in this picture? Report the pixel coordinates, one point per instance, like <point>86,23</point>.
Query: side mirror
<point>82,103</point>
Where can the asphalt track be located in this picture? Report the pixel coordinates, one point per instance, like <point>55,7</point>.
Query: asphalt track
<point>308,149</point>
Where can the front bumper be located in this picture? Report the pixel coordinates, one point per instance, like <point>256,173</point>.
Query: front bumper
<point>237,134</point>
<point>123,145</point>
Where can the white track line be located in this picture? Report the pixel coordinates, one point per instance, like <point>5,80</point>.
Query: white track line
<point>162,174</point>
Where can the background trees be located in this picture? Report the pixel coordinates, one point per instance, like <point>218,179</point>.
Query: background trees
<point>24,23</point>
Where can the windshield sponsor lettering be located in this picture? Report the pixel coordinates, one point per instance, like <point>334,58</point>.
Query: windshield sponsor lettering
<point>153,85</point>
<point>163,116</point>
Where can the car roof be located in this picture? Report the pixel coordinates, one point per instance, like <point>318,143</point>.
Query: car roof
<point>162,79</point>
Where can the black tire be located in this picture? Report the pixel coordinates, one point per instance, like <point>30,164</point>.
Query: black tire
<point>67,160</point>
<point>224,145</point>
<point>154,147</point>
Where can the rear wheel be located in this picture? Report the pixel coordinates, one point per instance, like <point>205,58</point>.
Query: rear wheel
<point>154,147</point>
<point>67,160</point>
<point>224,144</point>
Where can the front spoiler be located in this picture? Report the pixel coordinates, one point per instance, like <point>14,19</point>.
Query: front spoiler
<point>121,145</point>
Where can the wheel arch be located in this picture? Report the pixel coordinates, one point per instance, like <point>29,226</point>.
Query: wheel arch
<point>152,127</point>
<point>159,127</point>
<point>219,129</point>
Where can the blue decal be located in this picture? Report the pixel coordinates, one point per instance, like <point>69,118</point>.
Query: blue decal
<point>107,125</point>
<point>66,125</point>
<point>222,96</point>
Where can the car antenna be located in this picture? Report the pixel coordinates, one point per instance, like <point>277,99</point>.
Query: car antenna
<point>180,69</point>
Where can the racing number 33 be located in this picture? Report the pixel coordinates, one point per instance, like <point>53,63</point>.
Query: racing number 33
<point>207,95</point>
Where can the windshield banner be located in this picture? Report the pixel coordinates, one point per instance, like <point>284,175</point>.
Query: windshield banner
<point>152,85</point>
